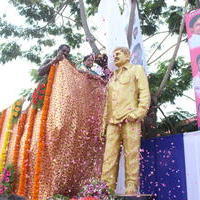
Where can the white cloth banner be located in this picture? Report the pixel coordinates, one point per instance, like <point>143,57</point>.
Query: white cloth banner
<point>111,21</point>
<point>115,28</point>
<point>192,164</point>
<point>137,49</point>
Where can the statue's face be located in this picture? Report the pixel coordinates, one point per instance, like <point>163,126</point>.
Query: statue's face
<point>120,58</point>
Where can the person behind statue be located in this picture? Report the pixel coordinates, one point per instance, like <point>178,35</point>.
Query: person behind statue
<point>102,61</point>
<point>87,65</point>
<point>128,100</point>
<point>91,67</point>
<point>94,64</point>
<point>62,53</point>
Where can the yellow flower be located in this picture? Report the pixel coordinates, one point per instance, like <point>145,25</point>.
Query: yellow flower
<point>15,114</point>
<point>6,139</point>
<point>18,103</point>
<point>17,108</point>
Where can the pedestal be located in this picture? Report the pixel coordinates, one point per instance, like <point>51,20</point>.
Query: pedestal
<point>11,197</point>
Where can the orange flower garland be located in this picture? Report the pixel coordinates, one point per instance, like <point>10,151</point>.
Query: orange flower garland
<point>20,130</point>
<point>2,118</point>
<point>25,161</point>
<point>41,142</point>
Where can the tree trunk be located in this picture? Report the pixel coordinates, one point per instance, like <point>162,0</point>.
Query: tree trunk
<point>198,3</point>
<point>149,126</point>
<point>89,37</point>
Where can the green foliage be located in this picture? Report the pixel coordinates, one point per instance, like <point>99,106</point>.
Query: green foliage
<point>150,13</point>
<point>192,2</point>
<point>27,93</point>
<point>46,42</point>
<point>33,54</point>
<point>179,81</point>
<point>173,16</point>
<point>76,59</point>
<point>9,51</point>
<point>35,76</point>
<point>177,122</point>
<point>44,20</point>
<point>156,12</point>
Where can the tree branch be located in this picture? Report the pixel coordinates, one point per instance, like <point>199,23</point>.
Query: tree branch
<point>100,43</point>
<point>189,97</point>
<point>67,17</point>
<point>63,5</point>
<point>155,34</point>
<point>158,47</point>
<point>168,121</point>
<point>167,74</point>
<point>89,37</point>
<point>164,52</point>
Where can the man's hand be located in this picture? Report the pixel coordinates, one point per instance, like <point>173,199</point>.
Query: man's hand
<point>58,58</point>
<point>103,134</point>
<point>96,77</point>
<point>131,117</point>
<point>91,76</point>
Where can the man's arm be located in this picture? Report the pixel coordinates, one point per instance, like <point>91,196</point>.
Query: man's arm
<point>143,96</point>
<point>45,68</point>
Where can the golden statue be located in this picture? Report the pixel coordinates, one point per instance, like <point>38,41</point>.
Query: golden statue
<point>128,100</point>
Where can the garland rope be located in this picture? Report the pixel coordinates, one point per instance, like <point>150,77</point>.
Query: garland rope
<point>25,162</point>
<point>6,138</point>
<point>2,118</point>
<point>42,133</point>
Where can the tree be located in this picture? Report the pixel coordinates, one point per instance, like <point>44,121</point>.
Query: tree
<point>48,19</point>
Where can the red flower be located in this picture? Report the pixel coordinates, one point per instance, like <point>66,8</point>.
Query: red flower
<point>42,91</point>
<point>43,85</point>
<point>40,97</point>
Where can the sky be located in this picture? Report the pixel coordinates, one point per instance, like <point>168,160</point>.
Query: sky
<point>15,75</point>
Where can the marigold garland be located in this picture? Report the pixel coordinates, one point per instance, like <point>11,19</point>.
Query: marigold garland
<point>2,118</point>
<point>16,110</point>
<point>6,139</point>
<point>20,130</point>
<point>41,142</point>
<point>25,161</point>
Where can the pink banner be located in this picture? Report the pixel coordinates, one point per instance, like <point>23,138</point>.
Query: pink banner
<point>192,21</point>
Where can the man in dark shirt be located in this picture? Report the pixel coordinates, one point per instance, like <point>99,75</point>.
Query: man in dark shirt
<point>63,53</point>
